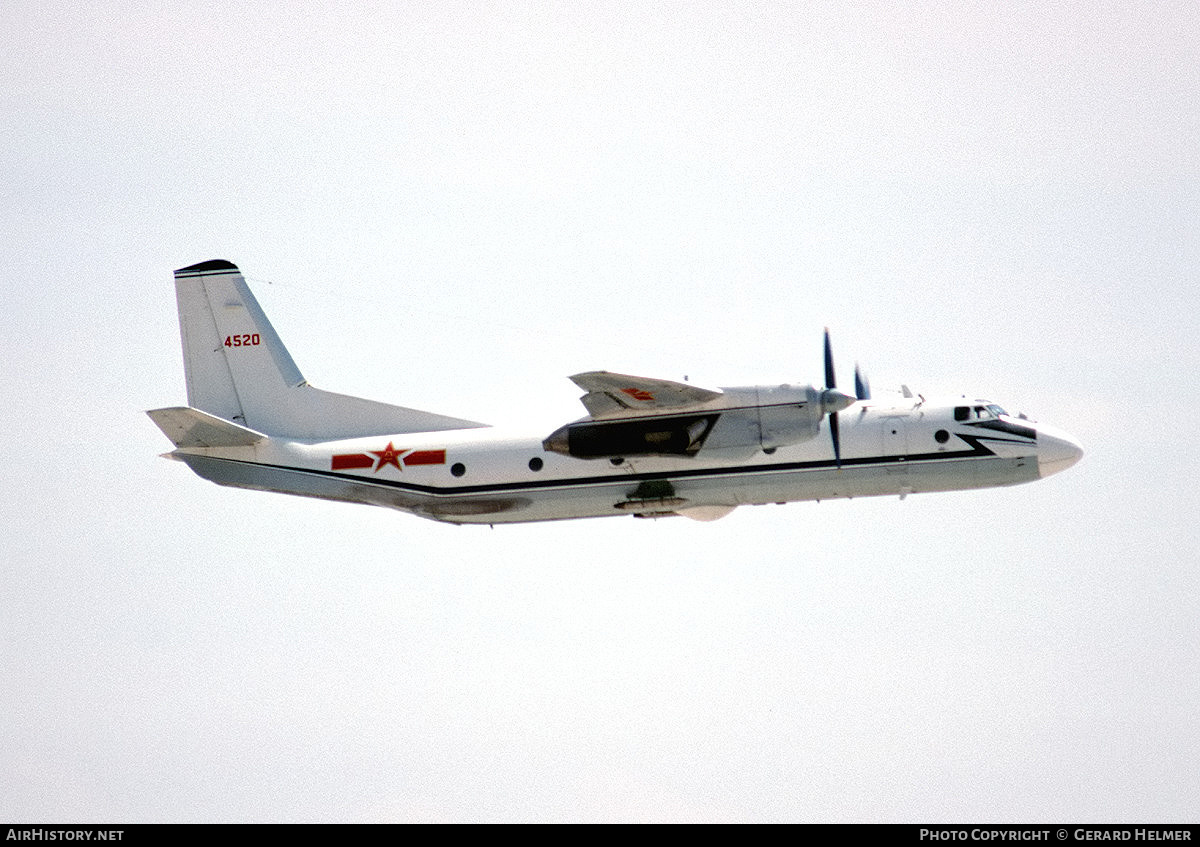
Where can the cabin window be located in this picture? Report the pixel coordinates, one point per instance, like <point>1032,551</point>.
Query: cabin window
<point>961,413</point>
<point>535,464</point>
<point>458,469</point>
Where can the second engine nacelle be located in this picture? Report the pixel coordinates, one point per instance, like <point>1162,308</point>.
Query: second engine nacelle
<point>741,420</point>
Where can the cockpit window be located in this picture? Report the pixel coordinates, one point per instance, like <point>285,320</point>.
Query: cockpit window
<point>982,412</point>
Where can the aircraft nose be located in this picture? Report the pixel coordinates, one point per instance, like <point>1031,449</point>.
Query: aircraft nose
<point>1056,451</point>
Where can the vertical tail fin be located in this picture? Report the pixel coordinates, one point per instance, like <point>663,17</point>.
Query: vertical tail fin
<point>216,312</point>
<point>237,368</point>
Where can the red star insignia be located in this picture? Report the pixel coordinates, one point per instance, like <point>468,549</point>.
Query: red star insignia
<point>389,456</point>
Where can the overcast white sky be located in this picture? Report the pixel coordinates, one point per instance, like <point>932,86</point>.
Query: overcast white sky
<point>454,206</point>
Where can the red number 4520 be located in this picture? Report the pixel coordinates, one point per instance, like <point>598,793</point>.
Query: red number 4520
<point>243,340</point>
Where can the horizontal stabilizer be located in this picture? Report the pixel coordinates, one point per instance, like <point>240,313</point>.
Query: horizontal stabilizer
<point>188,427</point>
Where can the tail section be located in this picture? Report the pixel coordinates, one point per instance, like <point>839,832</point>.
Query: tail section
<point>238,370</point>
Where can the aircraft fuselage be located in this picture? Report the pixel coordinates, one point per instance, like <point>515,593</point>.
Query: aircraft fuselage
<point>490,476</point>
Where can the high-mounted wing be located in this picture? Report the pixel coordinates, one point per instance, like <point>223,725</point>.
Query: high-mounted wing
<point>611,394</point>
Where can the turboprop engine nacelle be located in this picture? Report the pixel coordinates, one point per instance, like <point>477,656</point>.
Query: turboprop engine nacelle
<point>787,414</point>
<point>739,420</point>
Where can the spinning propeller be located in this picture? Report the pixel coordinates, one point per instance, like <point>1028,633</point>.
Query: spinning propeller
<point>833,401</point>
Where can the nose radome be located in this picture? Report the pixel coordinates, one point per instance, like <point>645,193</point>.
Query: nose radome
<point>1056,451</point>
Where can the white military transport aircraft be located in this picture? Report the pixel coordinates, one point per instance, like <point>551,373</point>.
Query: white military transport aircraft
<point>647,448</point>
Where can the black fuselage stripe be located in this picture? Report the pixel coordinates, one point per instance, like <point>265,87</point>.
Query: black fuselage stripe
<point>979,451</point>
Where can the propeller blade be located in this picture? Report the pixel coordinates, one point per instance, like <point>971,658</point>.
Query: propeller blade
<point>862,387</point>
<point>830,376</point>
<point>833,401</point>
<point>837,440</point>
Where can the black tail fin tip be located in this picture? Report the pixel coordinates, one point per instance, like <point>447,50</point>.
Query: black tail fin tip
<point>210,265</point>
